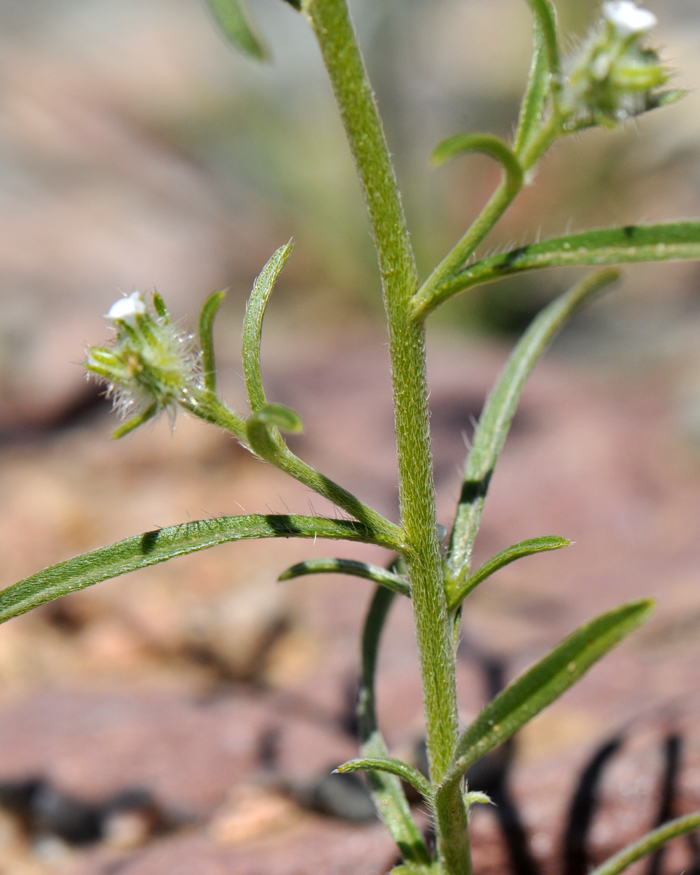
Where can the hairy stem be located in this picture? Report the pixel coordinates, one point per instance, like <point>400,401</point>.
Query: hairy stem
<point>433,289</point>
<point>453,261</point>
<point>273,449</point>
<point>422,554</point>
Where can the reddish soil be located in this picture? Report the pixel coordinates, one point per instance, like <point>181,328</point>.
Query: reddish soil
<point>226,695</point>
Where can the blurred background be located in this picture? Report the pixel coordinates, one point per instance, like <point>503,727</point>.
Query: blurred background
<point>137,151</point>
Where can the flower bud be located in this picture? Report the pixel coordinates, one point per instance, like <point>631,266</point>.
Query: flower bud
<point>613,78</point>
<point>150,366</point>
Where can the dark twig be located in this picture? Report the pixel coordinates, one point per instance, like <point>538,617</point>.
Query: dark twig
<point>575,853</point>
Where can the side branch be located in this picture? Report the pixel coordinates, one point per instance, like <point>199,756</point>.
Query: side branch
<point>676,241</point>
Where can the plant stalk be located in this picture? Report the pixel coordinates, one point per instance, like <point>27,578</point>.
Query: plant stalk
<point>209,408</point>
<point>422,555</point>
<point>433,291</point>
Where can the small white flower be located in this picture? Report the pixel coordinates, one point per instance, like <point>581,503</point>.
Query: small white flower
<point>149,366</point>
<point>127,309</point>
<point>627,18</point>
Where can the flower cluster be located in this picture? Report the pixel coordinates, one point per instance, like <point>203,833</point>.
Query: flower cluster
<point>613,77</point>
<point>151,365</point>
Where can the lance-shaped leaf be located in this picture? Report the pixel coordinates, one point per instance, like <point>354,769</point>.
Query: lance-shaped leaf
<point>505,557</point>
<point>283,418</point>
<point>542,684</point>
<point>414,869</point>
<point>546,20</point>
<point>253,322</point>
<point>160,308</point>
<point>160,545</point>
<point>499,410</point>
<point>135,421</point>
<point>263,430</point>
<point>238,27</point>
<point>348,566</point>
<point>387,792</point>
<point>476,797</point>
<point>676,241</point>
<point>486,144</point>
<point>536,93</point>
<point>392,767</point>
<point>649,843</point>
<point>206,338</point>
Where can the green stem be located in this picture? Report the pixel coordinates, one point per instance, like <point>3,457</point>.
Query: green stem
<point>548,133</point>
<point>455,259</point>
<point>211,409</point>
<point>422,555</point>
<point>274,450</point>
<point>433,288</point>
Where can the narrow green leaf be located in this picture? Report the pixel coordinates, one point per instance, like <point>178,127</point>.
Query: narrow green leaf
<point>668,98</point>
<point>677,241</point>
<point>476,797</point>
<point>206,338</point>
<point>533,105</point>
<point>371,635</point>
<point>486,144</point>
<point>348,566</point>
<point>160,545</point>
<point>262,430</point>
<point>505,557</point>
<point>649,843</point>
<point>546,18</point>
<point>392,767</point>
<point>238,27</point>
<point>499,410</point>
<point>387,792</point>
<point>253,322</point>
<point>159,306</point>
<point>413,869</point>
<point>280,416</point>
<point>546,681</point>
<point>135,421</point>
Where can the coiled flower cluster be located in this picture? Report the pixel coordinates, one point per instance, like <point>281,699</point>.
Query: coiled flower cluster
<point>614,77</point>
<point>151,366</point>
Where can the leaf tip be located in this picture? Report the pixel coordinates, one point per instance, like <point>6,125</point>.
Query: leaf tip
<point>442,152</point>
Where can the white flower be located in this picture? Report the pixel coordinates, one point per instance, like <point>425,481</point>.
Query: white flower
<point>127,309</point>
<point>150,365</point>
<point>627,18</point>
